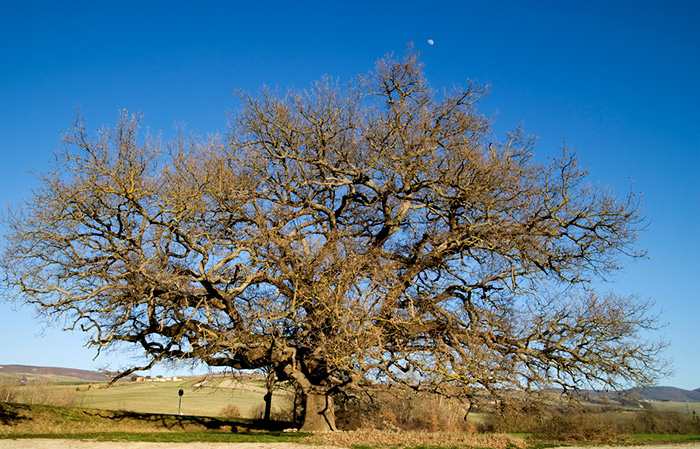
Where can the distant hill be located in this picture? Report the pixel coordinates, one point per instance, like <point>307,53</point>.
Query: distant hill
<point>52,374</point>
<point>667,394</point>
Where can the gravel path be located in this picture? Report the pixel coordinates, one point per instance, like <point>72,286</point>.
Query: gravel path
<point>691,445</point>
<point>90,444</point>
<point>31,443</point>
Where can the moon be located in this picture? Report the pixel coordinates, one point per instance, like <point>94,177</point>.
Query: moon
<point>431,42</point>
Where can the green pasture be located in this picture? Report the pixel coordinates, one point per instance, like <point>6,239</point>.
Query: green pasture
<point>148,411</point>
<point>45,421</point>
<point>679,407</point>
<point>157,397</point>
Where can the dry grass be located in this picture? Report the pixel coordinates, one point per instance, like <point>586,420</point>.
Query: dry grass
<point>23,419</point>
<point>7,393</point>
<point>201,397</point>
<point>413,439</point>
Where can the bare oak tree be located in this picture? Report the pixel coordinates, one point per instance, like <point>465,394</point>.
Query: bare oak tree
<point>346,234</point>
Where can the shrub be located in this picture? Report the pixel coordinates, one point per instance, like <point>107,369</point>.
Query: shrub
<point>230,411</point>
<point>7,391</point>
<point>579,426</point>
<point>664,422</point>
<point>401,411</point>
<point>555,421</point>
<point>517,417</point>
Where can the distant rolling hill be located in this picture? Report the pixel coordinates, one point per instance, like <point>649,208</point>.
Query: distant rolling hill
<point>667,394</point>
<point>53,374</point>
<point>50,374</point>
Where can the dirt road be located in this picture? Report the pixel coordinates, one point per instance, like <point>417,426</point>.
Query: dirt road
<point>693,445</point>
<point>91,444</point>
<point>32,443</point>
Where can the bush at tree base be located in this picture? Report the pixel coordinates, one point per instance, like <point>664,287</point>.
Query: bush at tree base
<point>402,411</point>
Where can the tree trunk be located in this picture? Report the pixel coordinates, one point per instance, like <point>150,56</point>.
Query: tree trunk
<point>319,415</point>
<point>270,381</point>
<point>268,406</point>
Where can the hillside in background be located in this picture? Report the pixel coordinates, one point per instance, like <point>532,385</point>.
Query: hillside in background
<point>667,394</point>
<point>51,374</point>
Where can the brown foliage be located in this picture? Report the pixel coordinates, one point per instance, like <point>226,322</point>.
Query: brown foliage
<point>516,417</point>
<point>578,426</point>
<point>585,423</point>
<point>664,422</point>
<point>230,411</point>
<point>407,411</point>
<point>7,393</point>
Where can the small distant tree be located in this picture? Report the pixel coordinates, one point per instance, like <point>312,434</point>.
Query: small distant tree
<point>340,236</point>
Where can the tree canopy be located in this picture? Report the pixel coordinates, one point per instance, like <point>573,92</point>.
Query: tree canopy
<point>348,234</point>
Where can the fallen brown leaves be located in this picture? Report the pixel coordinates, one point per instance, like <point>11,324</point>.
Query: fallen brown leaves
<point>443,439</point>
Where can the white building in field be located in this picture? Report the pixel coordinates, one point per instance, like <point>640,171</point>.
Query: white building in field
<point>157,379</point>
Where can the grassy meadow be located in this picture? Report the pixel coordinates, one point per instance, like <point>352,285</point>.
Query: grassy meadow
<point>221,408</point>
<point>18,421</point>
<point>678,407</point>
<point>203,396</point>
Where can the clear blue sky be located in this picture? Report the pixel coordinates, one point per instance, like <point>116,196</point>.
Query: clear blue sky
<point>619,80</point>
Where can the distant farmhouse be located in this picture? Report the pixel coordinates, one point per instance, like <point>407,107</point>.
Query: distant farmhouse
<point>156,379</point>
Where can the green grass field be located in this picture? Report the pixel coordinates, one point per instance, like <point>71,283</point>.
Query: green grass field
<point>19,421</point>
<point>148,411</point>
<point>45,421</point>
<point>157,397</point>
<point>680,407</point>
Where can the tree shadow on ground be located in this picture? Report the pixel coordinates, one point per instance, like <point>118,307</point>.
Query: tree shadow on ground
<point>188,421</point>
<point>11,414</point>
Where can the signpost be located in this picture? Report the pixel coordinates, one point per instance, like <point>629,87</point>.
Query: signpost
<point>179,407</point>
